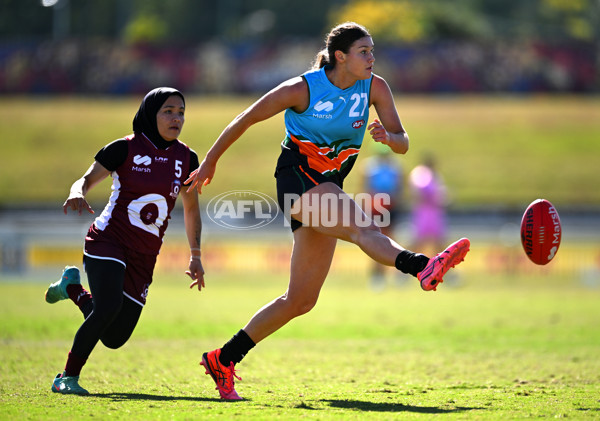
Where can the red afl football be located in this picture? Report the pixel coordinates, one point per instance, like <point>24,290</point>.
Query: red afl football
<point>541,231</point>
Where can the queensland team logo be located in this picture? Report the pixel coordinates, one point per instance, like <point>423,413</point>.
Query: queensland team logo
<point>358,124</point>
<point>242,210</point>
<point>175,189</point>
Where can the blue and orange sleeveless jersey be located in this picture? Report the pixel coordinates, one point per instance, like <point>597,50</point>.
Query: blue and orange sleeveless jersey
<point>329,134</point>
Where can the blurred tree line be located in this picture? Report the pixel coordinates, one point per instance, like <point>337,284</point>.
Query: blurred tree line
<point>390,21</point>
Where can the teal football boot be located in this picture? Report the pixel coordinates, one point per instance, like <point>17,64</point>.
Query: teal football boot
<point>68,385</point>
<point>58,290</point>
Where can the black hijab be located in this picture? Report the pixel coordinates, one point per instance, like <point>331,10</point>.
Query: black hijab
<point>145,119</point>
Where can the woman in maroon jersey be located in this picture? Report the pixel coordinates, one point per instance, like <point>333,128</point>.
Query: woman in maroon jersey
<point>148,170</point>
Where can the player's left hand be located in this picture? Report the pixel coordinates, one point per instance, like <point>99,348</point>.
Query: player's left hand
<point>378,132</point>
<point>196,272</point>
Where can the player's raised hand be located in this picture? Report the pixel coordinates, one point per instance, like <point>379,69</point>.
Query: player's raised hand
<point>378,132</point>
<point>201,176</point>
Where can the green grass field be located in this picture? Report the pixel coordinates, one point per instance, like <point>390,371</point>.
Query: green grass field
<point>487,350</point>
<point>491,150</point>
<point>494,348</point>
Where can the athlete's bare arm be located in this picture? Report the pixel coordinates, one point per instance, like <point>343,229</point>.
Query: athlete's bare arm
<point>389,130</point>
<point>76,200</point>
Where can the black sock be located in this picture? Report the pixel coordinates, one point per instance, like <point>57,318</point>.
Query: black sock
<point>236,348</point>
<point>412,263</point>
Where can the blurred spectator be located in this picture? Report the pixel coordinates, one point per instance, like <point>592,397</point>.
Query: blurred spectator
<point>428,215</point>
<point>382,173</point>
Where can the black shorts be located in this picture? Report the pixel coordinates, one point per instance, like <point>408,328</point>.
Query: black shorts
<point>297,180</point>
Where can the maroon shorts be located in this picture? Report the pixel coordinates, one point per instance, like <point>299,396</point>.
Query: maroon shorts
<point>139,267</point>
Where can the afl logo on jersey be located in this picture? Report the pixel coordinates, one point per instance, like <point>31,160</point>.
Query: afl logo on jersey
<point>358,124</point>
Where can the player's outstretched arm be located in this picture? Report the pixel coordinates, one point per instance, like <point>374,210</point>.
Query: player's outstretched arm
<point>292,93</point>
<point>76,200</point>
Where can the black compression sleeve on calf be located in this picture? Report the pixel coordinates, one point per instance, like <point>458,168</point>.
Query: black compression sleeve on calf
<point>411,263</point>
<point>236,348</point>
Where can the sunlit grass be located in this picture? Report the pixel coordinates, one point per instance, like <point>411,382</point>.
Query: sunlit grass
<point>510,351</point>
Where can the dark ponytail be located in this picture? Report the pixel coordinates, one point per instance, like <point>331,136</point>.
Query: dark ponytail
<point>321,60</point>
<point>340,38</point>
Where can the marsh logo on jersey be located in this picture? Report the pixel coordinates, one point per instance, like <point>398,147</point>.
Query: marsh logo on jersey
<point>323,106</point>
<point>142,160</point>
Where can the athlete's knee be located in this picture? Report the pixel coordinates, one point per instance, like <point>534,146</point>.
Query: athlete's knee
<point>305,307</point>
<point>117,335</point>
<point>114,342</point>
<point>297,306</point>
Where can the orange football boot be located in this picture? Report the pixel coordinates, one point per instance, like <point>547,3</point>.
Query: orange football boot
<point>222,375</point>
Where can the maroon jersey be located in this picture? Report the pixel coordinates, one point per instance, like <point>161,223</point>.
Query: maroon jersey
<point>144,190</point>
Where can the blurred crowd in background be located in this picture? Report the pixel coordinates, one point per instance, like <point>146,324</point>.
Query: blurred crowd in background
<point>240,46</point>
<point>106,67</point>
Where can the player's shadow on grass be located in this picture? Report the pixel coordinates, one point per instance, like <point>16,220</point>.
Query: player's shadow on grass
<point>121,397</point>
<point>392,407</point>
